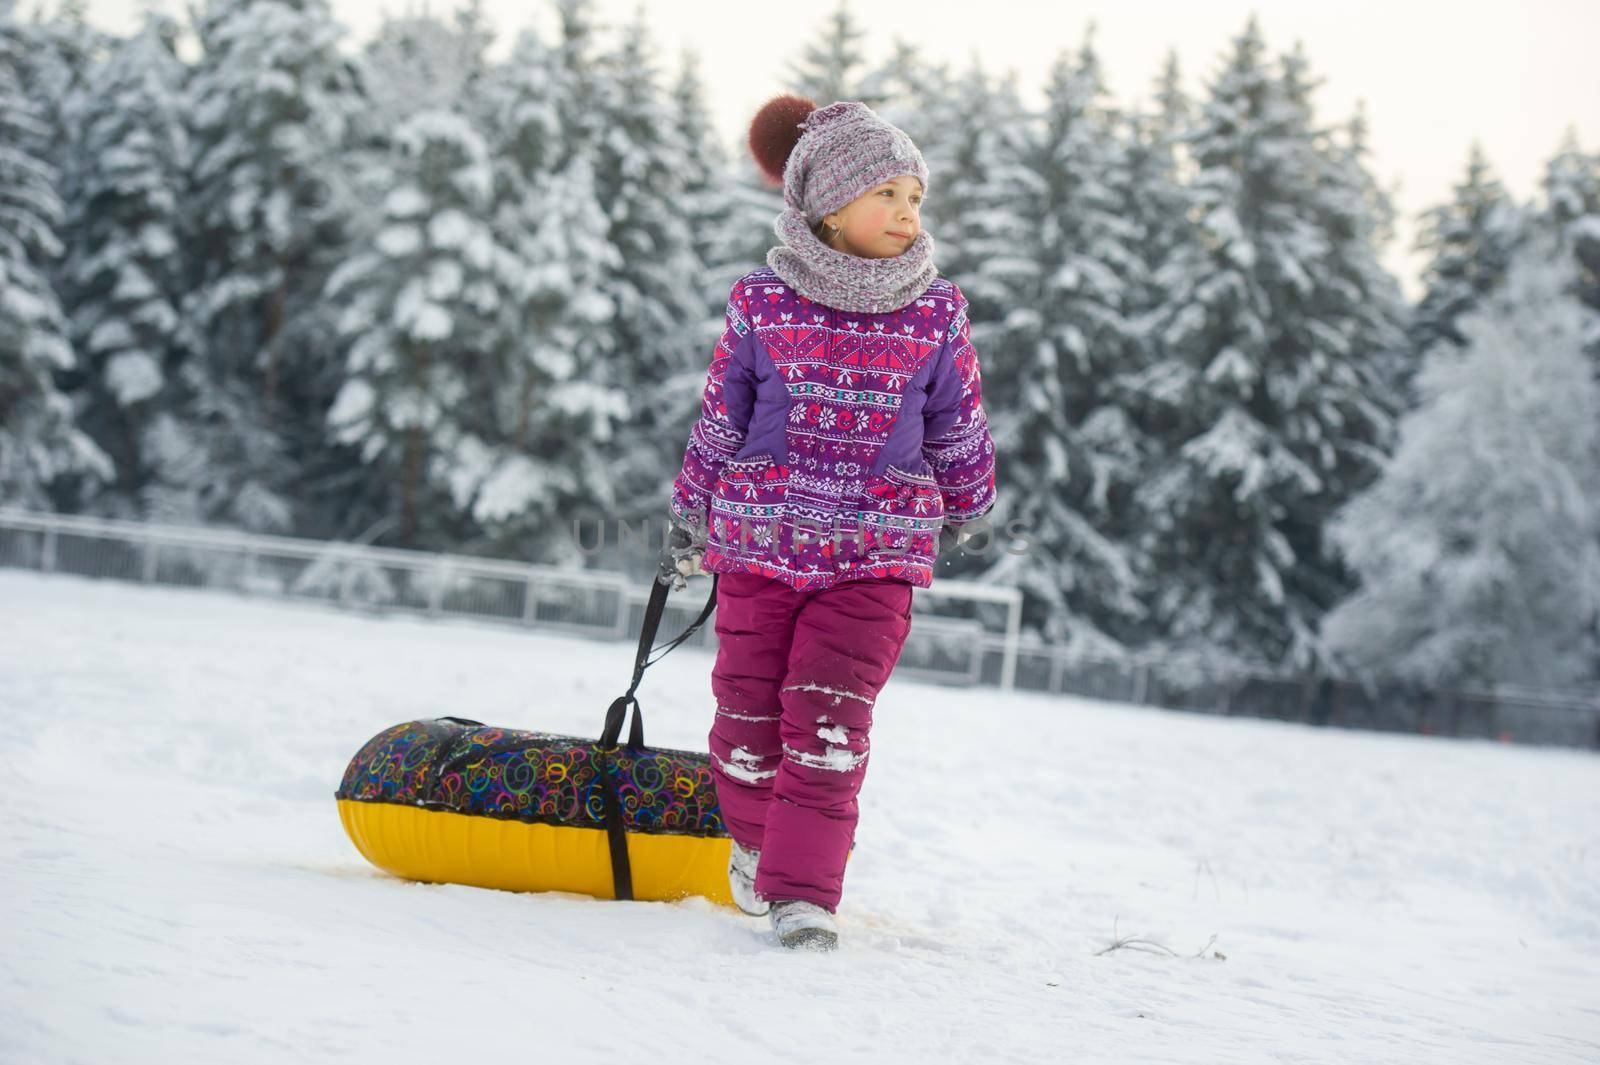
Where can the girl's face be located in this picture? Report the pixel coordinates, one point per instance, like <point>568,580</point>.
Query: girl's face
<point>880,223</point>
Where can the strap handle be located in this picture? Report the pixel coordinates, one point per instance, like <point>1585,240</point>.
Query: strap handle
<point>616,831</point>
<point>653,610</point>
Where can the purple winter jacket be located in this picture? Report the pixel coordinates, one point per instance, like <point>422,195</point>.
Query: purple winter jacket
<point>832,445</point>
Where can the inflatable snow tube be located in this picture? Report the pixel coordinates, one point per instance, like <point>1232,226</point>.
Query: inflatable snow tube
<point>454,801</point>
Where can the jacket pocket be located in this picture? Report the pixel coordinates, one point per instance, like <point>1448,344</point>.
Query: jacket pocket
<point>747,503</point>
<point>900,491</point>
<point>913,480</point>
<point>900,513</point>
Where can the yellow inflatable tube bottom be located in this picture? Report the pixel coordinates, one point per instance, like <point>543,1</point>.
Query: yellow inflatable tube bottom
<point>440,847</point>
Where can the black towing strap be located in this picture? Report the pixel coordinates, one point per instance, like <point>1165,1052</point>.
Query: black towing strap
<point>616,834</point>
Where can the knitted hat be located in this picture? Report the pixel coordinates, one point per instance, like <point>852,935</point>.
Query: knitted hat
<point>826,157</point>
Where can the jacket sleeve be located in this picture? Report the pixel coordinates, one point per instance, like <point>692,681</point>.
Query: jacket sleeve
<point>725,408</point>
<point>955,438</point>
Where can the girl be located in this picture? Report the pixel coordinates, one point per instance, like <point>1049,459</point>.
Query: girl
<point>841,427</point>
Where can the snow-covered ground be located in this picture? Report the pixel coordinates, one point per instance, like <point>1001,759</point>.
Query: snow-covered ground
<point>176,886</point>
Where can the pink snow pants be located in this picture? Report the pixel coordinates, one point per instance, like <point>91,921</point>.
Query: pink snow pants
<point>796,675</point>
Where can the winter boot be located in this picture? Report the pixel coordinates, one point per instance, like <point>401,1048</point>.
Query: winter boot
<point>804,925</point>
<point>742,881</point>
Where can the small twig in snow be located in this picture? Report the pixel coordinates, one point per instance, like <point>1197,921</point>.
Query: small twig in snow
<point>1150,945</point>
<point>1133,942</point>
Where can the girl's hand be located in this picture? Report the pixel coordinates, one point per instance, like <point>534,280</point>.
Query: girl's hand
<point>681,558</point>
<point>953,536</point>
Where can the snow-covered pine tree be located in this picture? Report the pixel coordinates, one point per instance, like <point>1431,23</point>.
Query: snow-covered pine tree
<point>419,62</point>
<point>1477,548</point>
<point>907,88</point>
<point>833,66</point>
<point>1571,183</point>
<point>40,442</point>
<point>559,403</point>
<point>745,236</point>
<point>1341,397</point>
<point>1150,198</point>
<point>415,62</point>
<point>568,407</point>
<point>1157,166</point>
<point>916,93</point>
<point>1572,212</point>
<point>1360,231</point>
<point>732,210</point>
<point>1152,190</point>
<point>584,83</point>
<point>1468,241</point>
<point>273,107</point>
<point>1067,334</point>
<point>1261,391</point>
<point>122,274</point>
<point>970,210</point>
<point>640,168</point>
<point>1171,113</point>
<point>705,180</point>
<point>1571,216</point>
<point>525,126</point>
<point>59,54</point>
<point>957,120</point>
<point>708,209</point>
<point>421,300</point>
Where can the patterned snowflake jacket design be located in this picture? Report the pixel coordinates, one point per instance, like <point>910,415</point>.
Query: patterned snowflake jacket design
<point>832,445</point>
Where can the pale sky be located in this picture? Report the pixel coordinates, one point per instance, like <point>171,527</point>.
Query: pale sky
<point>1435,74</point>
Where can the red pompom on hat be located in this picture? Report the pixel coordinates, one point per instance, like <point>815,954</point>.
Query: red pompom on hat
<point>776,130</point>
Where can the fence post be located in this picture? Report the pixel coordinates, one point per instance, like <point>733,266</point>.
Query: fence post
<point>151,550</point>
<point>530,599</point>
<point>47,559</point>
<point>247,580</point>
<point>436,593</point>
<point>620,626</point>
<point>1008,661</point>
<point>1141,682</point>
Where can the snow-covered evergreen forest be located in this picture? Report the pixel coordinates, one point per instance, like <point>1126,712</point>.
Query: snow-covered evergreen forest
<point>255,274</point>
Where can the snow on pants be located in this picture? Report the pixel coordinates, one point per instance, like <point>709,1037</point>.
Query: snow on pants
<point>796,675</point>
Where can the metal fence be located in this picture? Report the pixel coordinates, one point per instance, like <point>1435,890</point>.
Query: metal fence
<point>383,580</point>
<point>963,634</point>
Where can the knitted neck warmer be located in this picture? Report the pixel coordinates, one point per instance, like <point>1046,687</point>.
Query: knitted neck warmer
<point>848,282</point>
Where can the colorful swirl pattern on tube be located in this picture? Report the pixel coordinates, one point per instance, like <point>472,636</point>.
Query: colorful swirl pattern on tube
<point>535,777</point>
